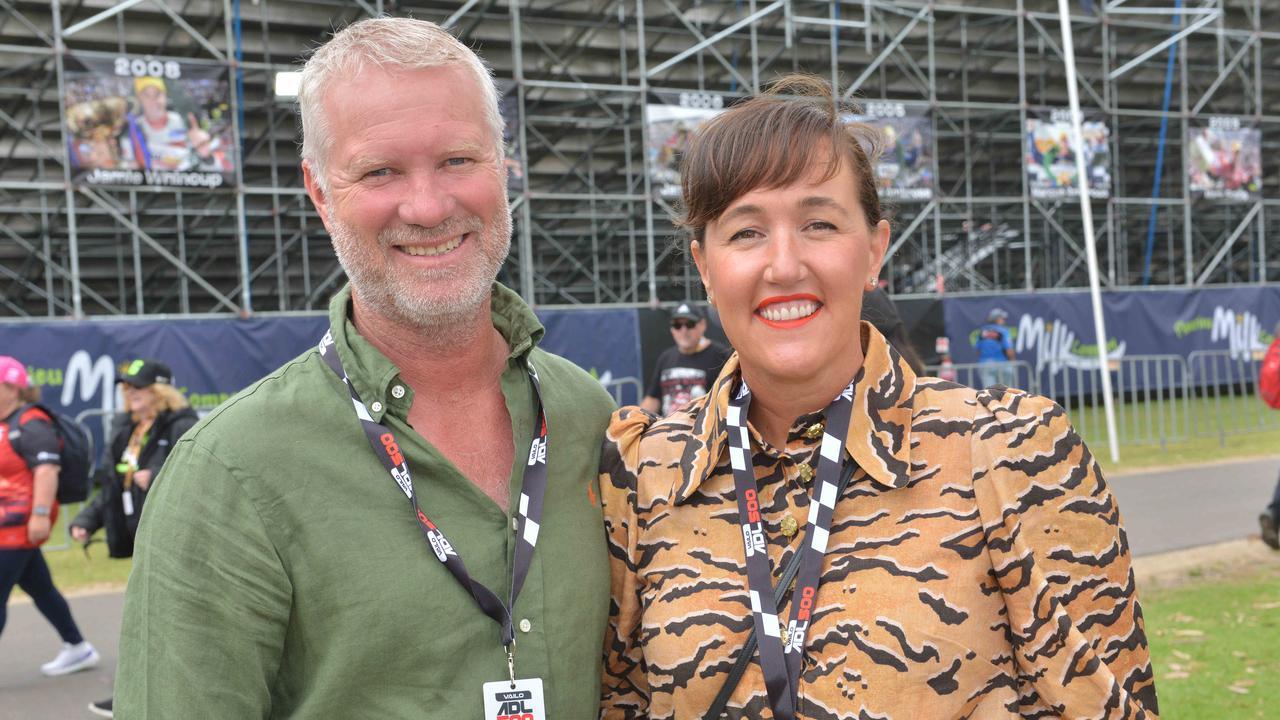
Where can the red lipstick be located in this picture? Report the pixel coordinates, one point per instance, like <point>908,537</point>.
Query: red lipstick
<point>787,324</point>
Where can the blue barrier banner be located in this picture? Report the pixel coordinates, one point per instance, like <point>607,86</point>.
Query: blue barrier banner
<point>1053,332</point>
<point>605,343</point>
<point>76,362</point>
<point>213,358</point>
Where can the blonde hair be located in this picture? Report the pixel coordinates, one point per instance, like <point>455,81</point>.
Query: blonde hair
<point>168,398</point>
<point>385,42</point>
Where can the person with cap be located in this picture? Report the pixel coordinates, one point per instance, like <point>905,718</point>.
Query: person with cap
<point>685,372</point>
<point>30,458</point>
<point>995,350</point>
<point>161,139</point>
<point>156,415</point>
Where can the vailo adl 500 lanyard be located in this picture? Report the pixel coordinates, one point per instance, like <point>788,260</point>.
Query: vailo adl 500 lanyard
<point>781,652</point>
<point>501,700</point>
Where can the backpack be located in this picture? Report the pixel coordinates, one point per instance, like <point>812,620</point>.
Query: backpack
<point>76,474</point>
<point>1269,376</point>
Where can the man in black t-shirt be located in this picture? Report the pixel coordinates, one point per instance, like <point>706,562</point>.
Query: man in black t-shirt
<point>687,370</point>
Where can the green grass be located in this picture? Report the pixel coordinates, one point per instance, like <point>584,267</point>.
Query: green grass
<point>1214,644</point>
<point>1195,430</point>
<point>71,570</point>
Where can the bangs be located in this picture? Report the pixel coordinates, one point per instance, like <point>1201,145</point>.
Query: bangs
<point>736,153</point>
<point>771,141</point>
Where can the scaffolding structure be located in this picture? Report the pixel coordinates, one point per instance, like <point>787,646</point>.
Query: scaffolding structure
<point>590,227</point>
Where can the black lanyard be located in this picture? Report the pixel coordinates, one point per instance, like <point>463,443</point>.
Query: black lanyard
<point>782,652</point>
<point>384,445</point>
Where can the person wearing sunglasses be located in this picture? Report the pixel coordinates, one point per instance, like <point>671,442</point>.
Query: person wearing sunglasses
<point>686,371</point>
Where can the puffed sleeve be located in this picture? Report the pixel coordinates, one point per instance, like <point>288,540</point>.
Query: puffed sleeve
<point>1062,562</point>
<point>624,687</point>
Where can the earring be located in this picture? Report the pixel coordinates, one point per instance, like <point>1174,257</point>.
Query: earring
<point>871,283</point>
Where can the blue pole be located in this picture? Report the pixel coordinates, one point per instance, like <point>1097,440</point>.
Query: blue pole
<point>240,75</point>
<point>1164,131</point>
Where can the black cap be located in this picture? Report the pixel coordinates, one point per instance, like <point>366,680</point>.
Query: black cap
<point>142,373</point>
<point>685,311</point>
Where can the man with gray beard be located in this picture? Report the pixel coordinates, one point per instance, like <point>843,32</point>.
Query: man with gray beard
<point>402,522</point>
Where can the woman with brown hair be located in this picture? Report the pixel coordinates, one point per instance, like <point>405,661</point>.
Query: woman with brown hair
<point>30,459</point>
<point>955,553</point>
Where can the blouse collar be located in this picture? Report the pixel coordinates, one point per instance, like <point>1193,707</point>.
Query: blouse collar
<point>879,438</point>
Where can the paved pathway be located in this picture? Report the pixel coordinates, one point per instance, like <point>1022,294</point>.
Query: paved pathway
<point>1179,508</point>
<point>29,641</point>
<point>1164,511</point>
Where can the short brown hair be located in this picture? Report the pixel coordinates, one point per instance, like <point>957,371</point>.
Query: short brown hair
<point>29,394</point>
<point>768,141</point>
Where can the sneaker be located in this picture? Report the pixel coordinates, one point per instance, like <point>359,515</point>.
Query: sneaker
<point>1269,534</point>
<point>102,708</point>
<point>71,659</point>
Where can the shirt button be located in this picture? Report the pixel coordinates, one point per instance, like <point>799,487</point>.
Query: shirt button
<point>814,431</point>
<point>806,473</point>
<point>789,526</point>
<point>525,625</point>
<point>515,524</point>
<point>376,406</point>
<point>397,392</point>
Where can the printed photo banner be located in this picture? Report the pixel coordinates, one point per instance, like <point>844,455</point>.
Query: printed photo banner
<point>143,120</point>
<point>905,170</point>
<point>670,124</point>
<point>1224,159</point>
<point>1050,155</point>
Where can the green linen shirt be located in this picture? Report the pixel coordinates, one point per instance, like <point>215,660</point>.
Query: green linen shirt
<point>280,572</point>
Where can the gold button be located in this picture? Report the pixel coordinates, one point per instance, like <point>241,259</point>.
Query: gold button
<point>806,473</point>
<point>786,637</point>
<point>789,526</point>
<point>814,431</point>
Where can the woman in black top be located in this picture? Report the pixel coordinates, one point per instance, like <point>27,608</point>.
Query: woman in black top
<point>157,416</point>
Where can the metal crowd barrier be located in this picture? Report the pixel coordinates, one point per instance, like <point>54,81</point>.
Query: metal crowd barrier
<point>1226,385</point>
<point>617,386</point>
<point>1160,398</point>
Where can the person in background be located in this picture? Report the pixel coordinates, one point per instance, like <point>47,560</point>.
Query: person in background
<point>686,371</point>
<point>995,350</point>
<point>157,415</point>
<point>29,463</point>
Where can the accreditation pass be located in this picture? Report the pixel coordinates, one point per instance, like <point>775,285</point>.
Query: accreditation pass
<point>521,700</point>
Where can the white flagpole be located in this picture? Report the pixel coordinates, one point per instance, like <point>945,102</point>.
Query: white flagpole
<point>1086,209</point>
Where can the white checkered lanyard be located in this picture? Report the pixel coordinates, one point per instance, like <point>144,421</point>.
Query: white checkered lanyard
<point>384,445</point>
<point>782,653</point>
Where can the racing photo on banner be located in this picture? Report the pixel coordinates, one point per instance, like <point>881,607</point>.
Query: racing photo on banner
<point>905,170</point>
<point>143,120</point>
<point>1224,159</point>
<point>670,124</point>
<point>1050,156</point>
<point>510,109</point>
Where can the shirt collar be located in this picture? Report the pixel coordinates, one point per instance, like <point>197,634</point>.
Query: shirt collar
<point>879,438</point>
<point>373,374</point>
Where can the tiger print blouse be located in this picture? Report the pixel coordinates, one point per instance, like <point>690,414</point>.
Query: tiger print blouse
<point>977,567</point>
